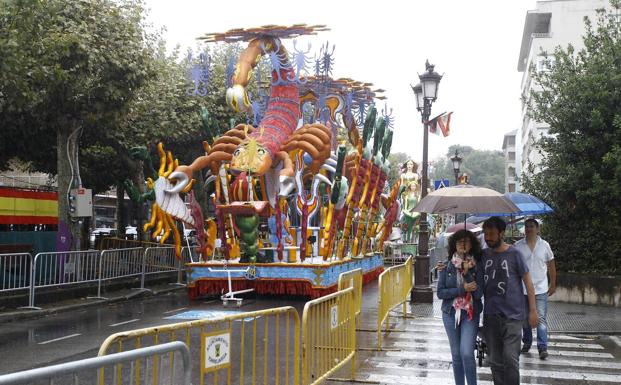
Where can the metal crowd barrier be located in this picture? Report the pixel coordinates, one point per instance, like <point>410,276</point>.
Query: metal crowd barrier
<point>15,271</point>
<point>328,336</point>
<point>159,260</point>
<point>62,268</point>
<point>395,284</point>
<point>259,346</point>
<point>20,271</point>
<point>70,372</point>
<point>353,278</point>
<point>119,263</point>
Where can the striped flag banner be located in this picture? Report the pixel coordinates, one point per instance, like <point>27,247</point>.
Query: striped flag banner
<point>441,123</point>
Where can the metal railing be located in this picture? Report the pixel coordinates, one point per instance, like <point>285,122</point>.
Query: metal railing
<point>70,372</point>
<point>394,284</point>
<point>20,271</point>
<point>353,278</point>
<point>119,263</point>
<point>62,268</point>
<point>328,336</point>
<point>259,346</point>
<point>15,271</point>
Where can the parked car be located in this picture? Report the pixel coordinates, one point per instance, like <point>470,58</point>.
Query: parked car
<point>101,232</point>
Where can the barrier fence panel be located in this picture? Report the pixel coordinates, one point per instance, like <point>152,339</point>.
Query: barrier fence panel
<point>63,268</point>
<point>189,254</point>
<point>119,263</point>
<point>394,284</point>
<point>159,260</point>
<point>353,278</point>
<point>243,348</point>
<point>328,336</point>
<point>15,271</point>
<point>91,369</point>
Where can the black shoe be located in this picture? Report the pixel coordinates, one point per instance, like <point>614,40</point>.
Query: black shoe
<point>543,354</point>
<point>525,348</point>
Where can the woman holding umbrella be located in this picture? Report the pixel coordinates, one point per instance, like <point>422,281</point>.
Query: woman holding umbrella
<point>461,290</point>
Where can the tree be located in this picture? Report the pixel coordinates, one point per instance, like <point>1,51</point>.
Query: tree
<point>68,69</point>
<point>397,160</point>
<point>485,168</point>
<point>580,174</point>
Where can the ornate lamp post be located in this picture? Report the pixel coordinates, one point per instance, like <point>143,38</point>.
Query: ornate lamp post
<point>456,160</point>
<point>426,93</point>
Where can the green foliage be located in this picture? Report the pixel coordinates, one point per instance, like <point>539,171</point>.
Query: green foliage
<point>485,168</point>
<point>581,171</point>
<point>397,160</point>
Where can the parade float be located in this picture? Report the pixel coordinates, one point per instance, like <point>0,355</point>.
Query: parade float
<point>302,195</point>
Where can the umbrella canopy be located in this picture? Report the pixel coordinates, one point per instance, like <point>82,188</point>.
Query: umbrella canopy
<point>465,199</point>
<point>463,226</point>
<point>529,204</point>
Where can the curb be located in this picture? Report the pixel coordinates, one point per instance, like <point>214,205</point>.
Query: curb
<point>32,314</point>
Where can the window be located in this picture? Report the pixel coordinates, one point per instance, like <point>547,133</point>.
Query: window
<point>511,187</point>
<point>512,156</point>
<point>544,63</point>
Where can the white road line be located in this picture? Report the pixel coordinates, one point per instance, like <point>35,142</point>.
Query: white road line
<point>574,345</point>
<point>125,322</point>
<point>59,339</point>
<point>551,361</point>
<point>615,378</point>
<point>554,337</point>
<point>396,379</point>
<point>174,310</point>
<point>616,340</point>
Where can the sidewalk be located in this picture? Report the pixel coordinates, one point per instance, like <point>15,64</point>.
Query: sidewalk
<point>416,350</point>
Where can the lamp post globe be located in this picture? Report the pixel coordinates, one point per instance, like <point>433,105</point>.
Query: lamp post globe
<point>456,160</point>
<point>430,80</point>
<point>418,93</point>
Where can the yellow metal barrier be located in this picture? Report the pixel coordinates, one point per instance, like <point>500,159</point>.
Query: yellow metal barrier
<point>395,284</point>
<point>328,336</point>
<point>353,278</point>
<point>262,346</point>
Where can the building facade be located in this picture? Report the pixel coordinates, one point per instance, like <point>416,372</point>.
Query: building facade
<point>511,171</point>
<point>553,23</point>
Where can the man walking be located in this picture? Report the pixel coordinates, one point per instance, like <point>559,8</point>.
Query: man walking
<point>540,260</point>
<point>504,270</point>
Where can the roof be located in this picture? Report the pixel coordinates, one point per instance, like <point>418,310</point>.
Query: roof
<point>536,22</point>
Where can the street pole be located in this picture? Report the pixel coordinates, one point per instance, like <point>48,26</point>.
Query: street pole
<point>422,292</point>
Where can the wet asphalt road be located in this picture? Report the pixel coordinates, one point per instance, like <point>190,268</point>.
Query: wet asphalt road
<point>78,334</point>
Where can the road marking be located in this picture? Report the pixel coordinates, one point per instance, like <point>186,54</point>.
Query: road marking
<point>59,339</point>
<point>125,322</point>
<point>551,361</point>
<point>615,378</point>
<point>396,379</point>
<point>616,340</point>
<point>575,345</point>
<point>174,310</point>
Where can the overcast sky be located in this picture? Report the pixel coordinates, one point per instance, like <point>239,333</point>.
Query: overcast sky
<point>475,44</point>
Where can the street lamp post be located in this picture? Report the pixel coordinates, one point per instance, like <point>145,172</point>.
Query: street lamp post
<point>456,160</point>
<point>426,93</point>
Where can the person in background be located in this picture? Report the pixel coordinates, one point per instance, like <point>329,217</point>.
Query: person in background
<point>540,260</point>
<point>504,271</point>
<point>461,303</point>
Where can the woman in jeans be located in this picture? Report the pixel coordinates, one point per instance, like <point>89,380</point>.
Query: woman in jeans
<point>461,290</point>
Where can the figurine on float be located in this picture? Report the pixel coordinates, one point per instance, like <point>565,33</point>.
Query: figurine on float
<point>410,183</point>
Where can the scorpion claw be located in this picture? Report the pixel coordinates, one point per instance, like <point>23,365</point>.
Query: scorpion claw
<point>182,181</point>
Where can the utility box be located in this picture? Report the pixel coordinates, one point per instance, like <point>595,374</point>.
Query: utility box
<point>81,202</point>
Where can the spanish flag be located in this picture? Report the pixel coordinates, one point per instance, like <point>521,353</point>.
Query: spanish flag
<point>20,207</point>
